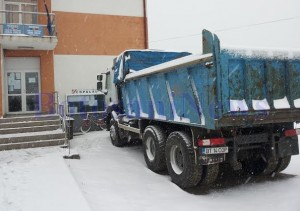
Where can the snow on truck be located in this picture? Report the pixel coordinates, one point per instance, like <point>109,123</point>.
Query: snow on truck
<point>195,112</point>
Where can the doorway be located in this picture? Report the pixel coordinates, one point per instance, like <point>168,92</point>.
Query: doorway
<point>22,85</point>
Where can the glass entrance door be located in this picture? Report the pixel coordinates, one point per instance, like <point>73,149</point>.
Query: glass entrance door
<point>14,92</point>
<point>32,99</point>
<point>23,92</point>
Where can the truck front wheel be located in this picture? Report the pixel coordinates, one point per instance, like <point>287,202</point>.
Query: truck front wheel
<point>114,135</point>
<point>154,148</point>
<point>181,161</point>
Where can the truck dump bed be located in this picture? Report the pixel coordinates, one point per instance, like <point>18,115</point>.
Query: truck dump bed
<point>221,88</point>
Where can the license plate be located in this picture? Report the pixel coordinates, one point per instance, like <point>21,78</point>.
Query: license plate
<point>214,150</point>
<point>211,159</point>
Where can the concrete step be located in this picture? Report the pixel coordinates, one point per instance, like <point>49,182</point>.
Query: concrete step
<point>30,118</point>
<point>28,129</point>
<point>29,124</point>
<point>32,144</point>
<point>30,137</point>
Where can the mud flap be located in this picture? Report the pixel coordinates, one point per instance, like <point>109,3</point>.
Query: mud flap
<point>288,146</point>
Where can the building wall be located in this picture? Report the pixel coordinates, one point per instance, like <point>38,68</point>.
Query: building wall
<point>104,7</point>
<point>90,34</point>
<point>78,71</point>
<point>46,68</point>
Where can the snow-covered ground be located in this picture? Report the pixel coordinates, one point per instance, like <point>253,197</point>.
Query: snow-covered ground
<point>110,178</point>
<point>38,180</point>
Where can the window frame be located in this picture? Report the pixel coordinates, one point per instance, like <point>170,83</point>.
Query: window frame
<point>20,5</point>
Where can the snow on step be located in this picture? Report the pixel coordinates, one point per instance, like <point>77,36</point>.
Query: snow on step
<point>30,131</point>
<point>30,140</point>
<point>28,123</point>
<point>29,118</point>
<point>32,144</point>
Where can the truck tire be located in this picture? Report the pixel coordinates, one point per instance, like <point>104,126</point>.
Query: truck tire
<point>254,167</point>
<point>181,161</point>
<point>283,164</point>
<point>270,167</point>
<point>260,166</point>
<point>114,135</point>
<point>154,142</point>
<point>210,174</point>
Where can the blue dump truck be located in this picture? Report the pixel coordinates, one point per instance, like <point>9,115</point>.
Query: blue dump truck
<point>236,107</point>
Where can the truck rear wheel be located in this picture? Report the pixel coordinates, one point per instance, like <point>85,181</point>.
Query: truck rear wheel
<point>270,167</point>
<point>114,135</point>
<point>154,148</point>
<point>254,167</point>
<point>283,164</point>
<point>180,159</point>
<point>260,166</point>
<point>210,174</point>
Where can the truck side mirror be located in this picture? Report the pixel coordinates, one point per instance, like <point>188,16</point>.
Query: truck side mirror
<point>99,86</point>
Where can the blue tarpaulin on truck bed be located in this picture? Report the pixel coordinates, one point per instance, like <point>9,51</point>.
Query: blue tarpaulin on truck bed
<point>135,60</point>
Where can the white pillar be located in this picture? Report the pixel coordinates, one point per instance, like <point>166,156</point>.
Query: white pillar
<point>3,96</point>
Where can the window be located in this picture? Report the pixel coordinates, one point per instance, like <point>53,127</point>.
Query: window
<point>21,11</point>
<point>85,103</point>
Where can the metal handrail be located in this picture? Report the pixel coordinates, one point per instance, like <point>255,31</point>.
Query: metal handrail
<point>62,115</point>
<point>40,22</point>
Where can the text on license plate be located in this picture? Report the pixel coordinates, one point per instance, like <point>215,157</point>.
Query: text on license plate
<point>215,150</point>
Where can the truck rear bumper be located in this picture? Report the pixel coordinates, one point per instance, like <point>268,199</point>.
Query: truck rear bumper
<point>284,147</point>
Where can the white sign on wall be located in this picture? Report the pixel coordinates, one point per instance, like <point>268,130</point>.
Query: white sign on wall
<point>85,91</point>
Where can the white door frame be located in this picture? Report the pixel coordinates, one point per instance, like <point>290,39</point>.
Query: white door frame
<point>23,89</point>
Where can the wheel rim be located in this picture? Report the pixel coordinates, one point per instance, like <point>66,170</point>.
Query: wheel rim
<point>150,148</point>
<point>113,133</point>
<point>176,159</point>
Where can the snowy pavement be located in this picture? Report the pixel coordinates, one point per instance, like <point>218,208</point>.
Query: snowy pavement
<point>110,178</point>
<point>38,180</point>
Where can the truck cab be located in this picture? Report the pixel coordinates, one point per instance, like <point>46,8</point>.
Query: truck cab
<point>105,84</point>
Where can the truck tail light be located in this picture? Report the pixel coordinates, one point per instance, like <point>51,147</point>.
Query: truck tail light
<point>292,132</point>
<point>211,142</point>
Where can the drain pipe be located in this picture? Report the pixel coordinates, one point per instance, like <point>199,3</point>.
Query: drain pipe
<point>145,24</point>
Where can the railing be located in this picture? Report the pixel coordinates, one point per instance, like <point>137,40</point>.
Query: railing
<point>35,24</point>
<point>60,110</point>
<point>59,106</point>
